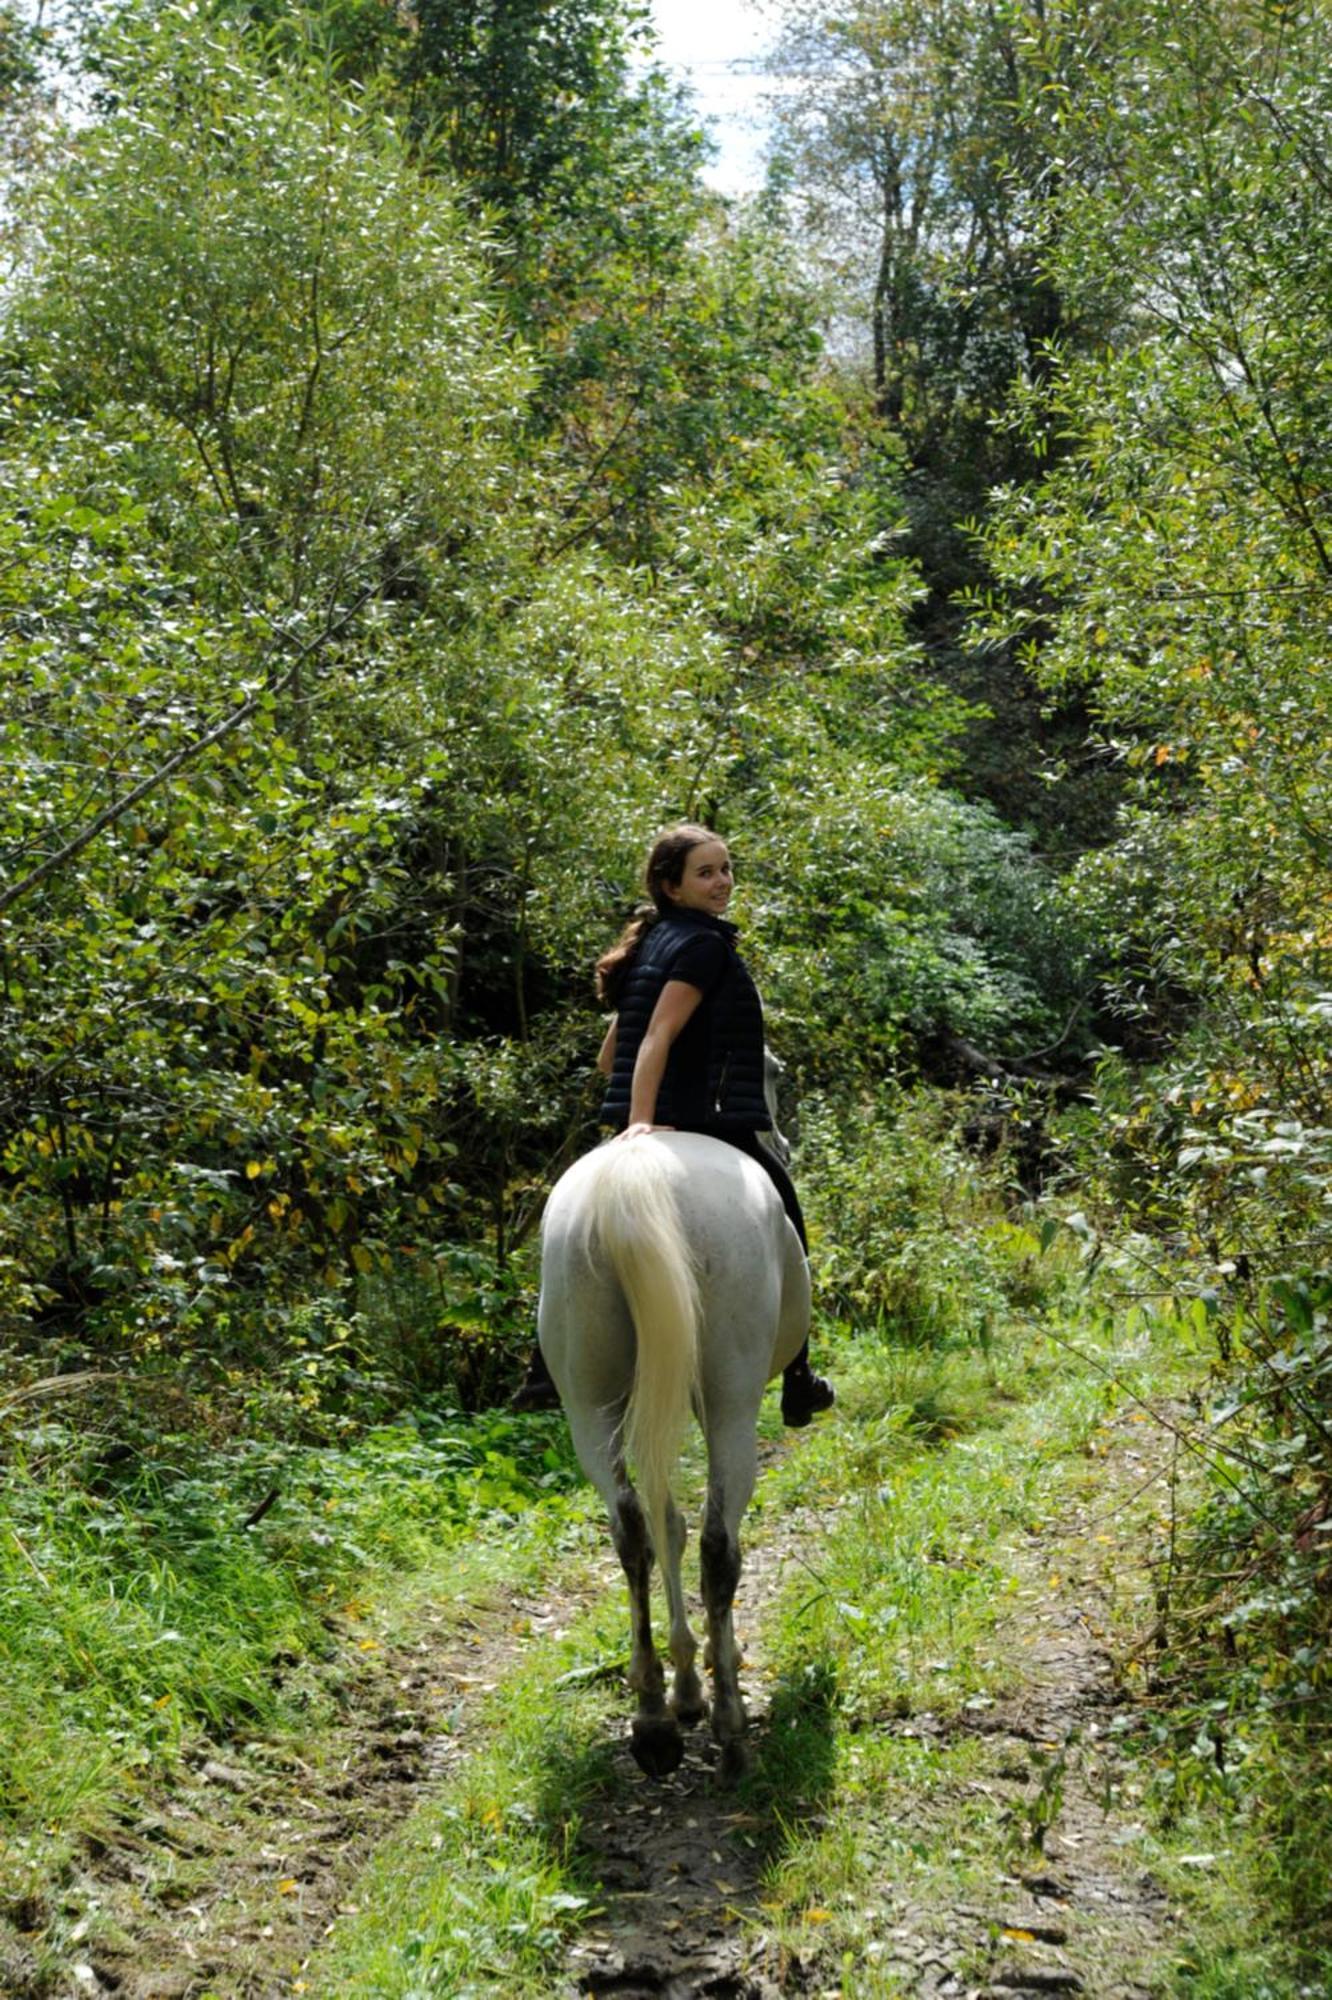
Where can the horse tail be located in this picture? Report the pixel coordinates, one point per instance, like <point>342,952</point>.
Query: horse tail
<point>634,1214</point>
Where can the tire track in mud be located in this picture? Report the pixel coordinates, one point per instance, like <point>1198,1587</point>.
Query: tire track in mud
<point>227,1882</point>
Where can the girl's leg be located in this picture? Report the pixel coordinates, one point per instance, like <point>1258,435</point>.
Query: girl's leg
<point>804,1394</point>
<point>751,1143</point>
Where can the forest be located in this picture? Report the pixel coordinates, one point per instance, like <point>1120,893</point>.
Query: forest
<point>420,486</point>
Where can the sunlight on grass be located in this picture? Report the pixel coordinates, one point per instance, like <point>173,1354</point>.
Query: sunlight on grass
<point>913,1515</point>
<point>480,1892</point>
<point>935,1466</point>
<point>144,1615</point>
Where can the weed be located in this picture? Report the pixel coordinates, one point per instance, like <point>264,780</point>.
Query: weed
<point>1047,1801</point>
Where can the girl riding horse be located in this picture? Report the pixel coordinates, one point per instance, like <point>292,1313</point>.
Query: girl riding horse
<point>684,1050</point>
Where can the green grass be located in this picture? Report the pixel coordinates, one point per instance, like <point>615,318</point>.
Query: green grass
<point>144,1610</point>
<point>939,1471</point>
<point>481,1890</point>
<point>920,1501</point>
<point>911,1586</point>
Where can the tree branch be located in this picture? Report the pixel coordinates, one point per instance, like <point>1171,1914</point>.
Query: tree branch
<point>183,756</point>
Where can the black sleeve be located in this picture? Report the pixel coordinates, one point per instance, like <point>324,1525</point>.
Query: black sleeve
<point>701,961</point>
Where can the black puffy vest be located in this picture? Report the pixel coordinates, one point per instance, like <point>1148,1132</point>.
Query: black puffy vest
<point>714,1073</point>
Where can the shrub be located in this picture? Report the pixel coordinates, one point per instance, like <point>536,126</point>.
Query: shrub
<point>907,1228</point>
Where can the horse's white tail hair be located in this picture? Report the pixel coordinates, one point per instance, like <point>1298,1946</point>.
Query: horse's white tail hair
<point>633,1215</point>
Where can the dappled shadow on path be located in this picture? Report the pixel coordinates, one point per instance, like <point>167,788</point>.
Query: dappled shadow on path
<point>680,1861</point>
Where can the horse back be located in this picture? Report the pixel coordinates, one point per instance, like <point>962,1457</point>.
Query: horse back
<point>752,1279</point>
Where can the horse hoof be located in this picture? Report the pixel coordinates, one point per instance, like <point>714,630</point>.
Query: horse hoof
<point>657,1745</point>
<point>734,1761</point>
<point>689,1714</point>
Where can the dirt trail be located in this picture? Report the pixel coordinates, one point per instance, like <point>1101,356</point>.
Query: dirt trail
<point>682,1866</point>
<point>229,1883</point>
<point>228,1886</point>
<point>680,1862</point>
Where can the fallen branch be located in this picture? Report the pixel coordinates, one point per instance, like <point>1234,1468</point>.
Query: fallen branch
<point>56,1385</point>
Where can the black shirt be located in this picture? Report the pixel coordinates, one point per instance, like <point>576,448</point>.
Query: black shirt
<point>714,1072</point>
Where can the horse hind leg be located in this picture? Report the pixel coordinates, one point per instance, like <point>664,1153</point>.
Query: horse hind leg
<point>655,1739</point>
<point>732,1465</point>
<point>688,1703</point>
<point>720,1567</point>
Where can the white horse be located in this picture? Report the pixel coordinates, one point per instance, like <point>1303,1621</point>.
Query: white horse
<point>671,1278</point>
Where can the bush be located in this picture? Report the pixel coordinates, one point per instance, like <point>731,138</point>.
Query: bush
<point>907,1228</point>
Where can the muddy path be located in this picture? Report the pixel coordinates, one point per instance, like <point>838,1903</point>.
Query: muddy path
<point>228,1886</point>
<point>1064,1908</point>
<point>681,1863</point>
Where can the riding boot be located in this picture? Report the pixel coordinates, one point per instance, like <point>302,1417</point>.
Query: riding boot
<point>536,1391</point>
<point>804,1394</point>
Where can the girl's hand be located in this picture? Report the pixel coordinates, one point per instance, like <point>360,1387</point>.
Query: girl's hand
<point>636,1130</point>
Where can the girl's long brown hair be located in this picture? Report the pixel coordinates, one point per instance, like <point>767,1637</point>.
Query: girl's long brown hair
<point>665,864</point>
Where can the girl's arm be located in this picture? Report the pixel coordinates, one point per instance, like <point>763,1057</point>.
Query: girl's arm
<point>606,1059</point>
<point>676,1004</point>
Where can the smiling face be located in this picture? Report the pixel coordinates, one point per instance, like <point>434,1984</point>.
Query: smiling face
<point>707,880</point>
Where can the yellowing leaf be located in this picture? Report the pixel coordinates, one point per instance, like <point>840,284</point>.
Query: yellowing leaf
<point>288,1886</point>
<point>252,1170</point>
<point>817,1916</point>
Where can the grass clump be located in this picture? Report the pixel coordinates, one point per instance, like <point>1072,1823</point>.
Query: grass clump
<point>179,1591</point>
<point>480,1892</point>
<point>901,1598</point>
